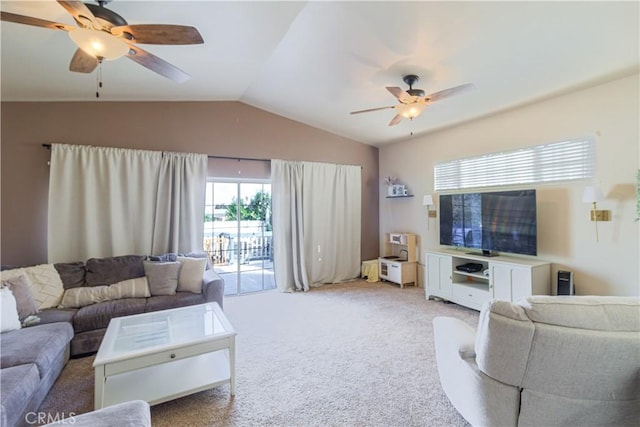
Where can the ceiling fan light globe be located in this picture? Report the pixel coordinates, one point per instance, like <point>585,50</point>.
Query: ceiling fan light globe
<point>410,111</point>
<point>99,44</point>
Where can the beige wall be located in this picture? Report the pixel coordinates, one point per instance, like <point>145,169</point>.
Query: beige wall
<point>610,113</point>
<point>215,128</point>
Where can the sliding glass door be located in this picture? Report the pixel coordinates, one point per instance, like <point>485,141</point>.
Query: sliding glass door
<point>238,234</point>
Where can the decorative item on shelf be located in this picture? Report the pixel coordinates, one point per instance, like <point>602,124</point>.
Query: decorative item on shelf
<point>427,200</point>
<point>593,194</point>
<point>394,189</point>
<point>398,190</point>
<point>390,181</point>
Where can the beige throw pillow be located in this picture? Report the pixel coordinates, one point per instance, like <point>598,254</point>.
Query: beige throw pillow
<point>87,295</point>
<point>191,274</point>
<point>131,288</point>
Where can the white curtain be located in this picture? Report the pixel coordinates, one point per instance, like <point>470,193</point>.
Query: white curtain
<point>179,217</point>
<point>105,201</point>
<point>316,223</point>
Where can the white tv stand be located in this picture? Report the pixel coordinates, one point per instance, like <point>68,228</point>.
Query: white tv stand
<point>501,277</point>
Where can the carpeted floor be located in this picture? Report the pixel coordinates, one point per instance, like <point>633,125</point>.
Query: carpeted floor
<point>354,354</point>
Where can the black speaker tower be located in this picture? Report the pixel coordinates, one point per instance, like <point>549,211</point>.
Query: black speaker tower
<point>565,283</point>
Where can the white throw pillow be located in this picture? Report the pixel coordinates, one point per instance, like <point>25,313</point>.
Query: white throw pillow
<point>9,320</point>
<point>47,287</point>
<point>191,274</point>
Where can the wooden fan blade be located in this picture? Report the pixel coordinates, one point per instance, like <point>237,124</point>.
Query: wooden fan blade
<point>402,96</point>
<point>160,34</point>
<point>81,13</point>
<point>436,96</point>
<point>36,22</point>
<point>372,109</point>
<point>156,64</point>
<point>82,62</point>
<point>396,119</point>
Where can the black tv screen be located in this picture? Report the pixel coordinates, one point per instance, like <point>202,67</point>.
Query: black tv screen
<point>503,221</point>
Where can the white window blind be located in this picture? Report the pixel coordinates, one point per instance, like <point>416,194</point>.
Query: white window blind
<point>554,162</point>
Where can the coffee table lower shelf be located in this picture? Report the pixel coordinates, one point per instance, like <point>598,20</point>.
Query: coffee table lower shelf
<point>167,381</point>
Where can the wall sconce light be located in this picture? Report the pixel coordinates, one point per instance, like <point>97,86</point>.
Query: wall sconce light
<point>427,200</point>
<point>593,194</point>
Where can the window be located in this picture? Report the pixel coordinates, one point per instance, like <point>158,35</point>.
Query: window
<point>238,234</point>
<point>554,162</point>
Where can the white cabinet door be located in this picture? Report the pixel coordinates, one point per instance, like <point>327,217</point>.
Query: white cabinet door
<point>510,283</point>
<point>395,272</point>
<point>438,275</point>
<point>520,283</point>
<point>501,278</point>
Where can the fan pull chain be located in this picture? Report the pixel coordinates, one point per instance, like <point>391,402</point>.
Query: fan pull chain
<point>99,79</point>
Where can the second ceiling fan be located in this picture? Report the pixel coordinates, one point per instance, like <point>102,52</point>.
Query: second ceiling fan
<point>412,102</point>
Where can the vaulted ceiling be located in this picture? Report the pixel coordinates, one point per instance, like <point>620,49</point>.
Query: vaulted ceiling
<point>315,62</point>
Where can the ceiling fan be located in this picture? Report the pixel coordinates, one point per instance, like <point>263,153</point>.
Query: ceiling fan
<point>103,34</point>
<point>413,101</point>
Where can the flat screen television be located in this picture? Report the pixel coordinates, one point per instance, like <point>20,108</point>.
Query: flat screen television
<point>501,221</point>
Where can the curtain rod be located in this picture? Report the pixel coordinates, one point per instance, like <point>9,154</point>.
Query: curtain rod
<point>240,158</point>
<point>48,147</point>
<point>251,159</point>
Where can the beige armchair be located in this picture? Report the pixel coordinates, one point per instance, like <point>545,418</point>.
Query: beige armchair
<point>545,361</point>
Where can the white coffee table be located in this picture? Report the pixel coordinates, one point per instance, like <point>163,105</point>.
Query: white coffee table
<point>164,355</point>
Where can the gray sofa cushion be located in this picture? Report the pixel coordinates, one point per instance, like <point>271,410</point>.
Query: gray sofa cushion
<point>168,257</point>
<point>107,271</point>
<point>17,385</point>
<point>39,344</point>
<point>97,316</point>
<point>72,274</point>
<point>53,315</point>
<point>180,299</point>
<point>87,342</point>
